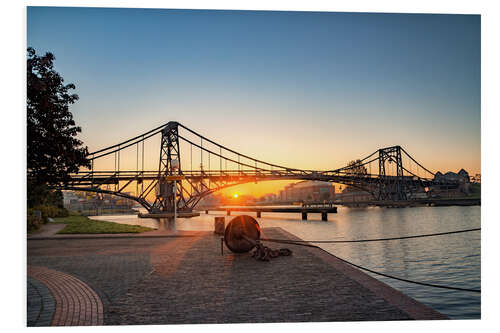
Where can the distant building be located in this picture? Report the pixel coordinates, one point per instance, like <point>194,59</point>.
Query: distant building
<point>462,178</point>
<point>69,197</point>
<point>308,191</point>
<point>86,201</point>
<point>269,197</point>
<point>350,194</point>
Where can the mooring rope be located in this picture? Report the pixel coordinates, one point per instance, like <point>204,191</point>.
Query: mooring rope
<point>401,279</point>
<point>368,240</point>
<point>304,243</point>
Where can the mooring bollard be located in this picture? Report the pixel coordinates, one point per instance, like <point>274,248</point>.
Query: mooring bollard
<point>241,234</point>
<point>219,225</point>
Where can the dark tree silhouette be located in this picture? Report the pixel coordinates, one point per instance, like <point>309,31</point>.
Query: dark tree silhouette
<point>356,168</point>
<point>53,149</point>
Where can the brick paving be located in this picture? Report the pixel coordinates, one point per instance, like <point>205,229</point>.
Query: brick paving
<point>76,304</point>
<point>185,280</point>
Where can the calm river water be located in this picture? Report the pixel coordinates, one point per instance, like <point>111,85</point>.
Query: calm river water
<point>453,260</point>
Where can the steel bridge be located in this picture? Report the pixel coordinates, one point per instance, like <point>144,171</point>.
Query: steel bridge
<point>397,174</point>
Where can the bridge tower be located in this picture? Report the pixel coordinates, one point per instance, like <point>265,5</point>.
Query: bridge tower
<point>169,166</point>
<point>391,187</point>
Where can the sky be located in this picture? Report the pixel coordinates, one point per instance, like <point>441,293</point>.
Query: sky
<point>309,90</point>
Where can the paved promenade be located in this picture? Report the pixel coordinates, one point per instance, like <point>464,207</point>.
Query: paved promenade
<point>186,280</point>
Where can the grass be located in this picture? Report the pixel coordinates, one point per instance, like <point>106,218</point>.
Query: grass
<point>78,224</point>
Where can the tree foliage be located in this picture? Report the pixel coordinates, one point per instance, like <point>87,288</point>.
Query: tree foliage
<point>355,167</point>
<point>53,148</point>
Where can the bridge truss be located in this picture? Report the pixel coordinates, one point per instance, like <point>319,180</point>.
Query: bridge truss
<point>396,174</point>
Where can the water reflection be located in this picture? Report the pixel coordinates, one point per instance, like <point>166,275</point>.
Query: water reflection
<point>166,224</point>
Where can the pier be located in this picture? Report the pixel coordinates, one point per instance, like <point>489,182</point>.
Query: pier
<point>168,215</point>
<point>158,278</point>
<point>259,210</point>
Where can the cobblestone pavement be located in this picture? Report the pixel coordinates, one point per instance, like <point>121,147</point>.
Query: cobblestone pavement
<point>41,304</point>
<point>186,280</point>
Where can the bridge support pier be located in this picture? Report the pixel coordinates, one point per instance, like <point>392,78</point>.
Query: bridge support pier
<point>304,216</point>
<point>324,216</point>
<point>259,214</point>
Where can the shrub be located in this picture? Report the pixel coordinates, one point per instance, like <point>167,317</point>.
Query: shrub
<point>51,211</point>
<point>63,212</point>
<point>32,222</point>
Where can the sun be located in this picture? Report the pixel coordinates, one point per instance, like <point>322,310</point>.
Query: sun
<point>235,195</point>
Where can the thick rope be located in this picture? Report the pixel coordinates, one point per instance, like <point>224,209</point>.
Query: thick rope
<point>368,240</point>
<point>304,243</point>
<point>401,279</point>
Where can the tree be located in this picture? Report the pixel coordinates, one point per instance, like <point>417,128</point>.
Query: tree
<point>356,168</point>
<point>53,151</point>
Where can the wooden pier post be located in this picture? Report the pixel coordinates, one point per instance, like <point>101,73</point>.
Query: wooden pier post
<point>324,216</point>
<point>219,225</point>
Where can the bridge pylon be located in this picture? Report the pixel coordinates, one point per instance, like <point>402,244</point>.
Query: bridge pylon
<point>391,187</point>
<point>169,167</point>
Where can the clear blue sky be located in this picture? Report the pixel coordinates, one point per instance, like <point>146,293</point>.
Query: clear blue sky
<point>308,90</point>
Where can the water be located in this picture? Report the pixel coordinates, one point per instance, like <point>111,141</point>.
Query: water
<point>453,260</point>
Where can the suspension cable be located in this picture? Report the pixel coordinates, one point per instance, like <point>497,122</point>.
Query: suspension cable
<point>235,152</point>
<point>418,164</point>
<point>142,182</point>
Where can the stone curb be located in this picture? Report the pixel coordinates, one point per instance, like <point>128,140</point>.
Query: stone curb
<point>107,236</point>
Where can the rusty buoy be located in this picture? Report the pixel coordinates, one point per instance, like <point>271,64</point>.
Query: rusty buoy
<point>241,234</point>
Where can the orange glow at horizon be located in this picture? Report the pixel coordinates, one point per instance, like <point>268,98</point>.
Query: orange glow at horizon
<point>255,190</point>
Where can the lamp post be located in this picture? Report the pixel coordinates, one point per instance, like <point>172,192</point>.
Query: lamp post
<point>175,167</point>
